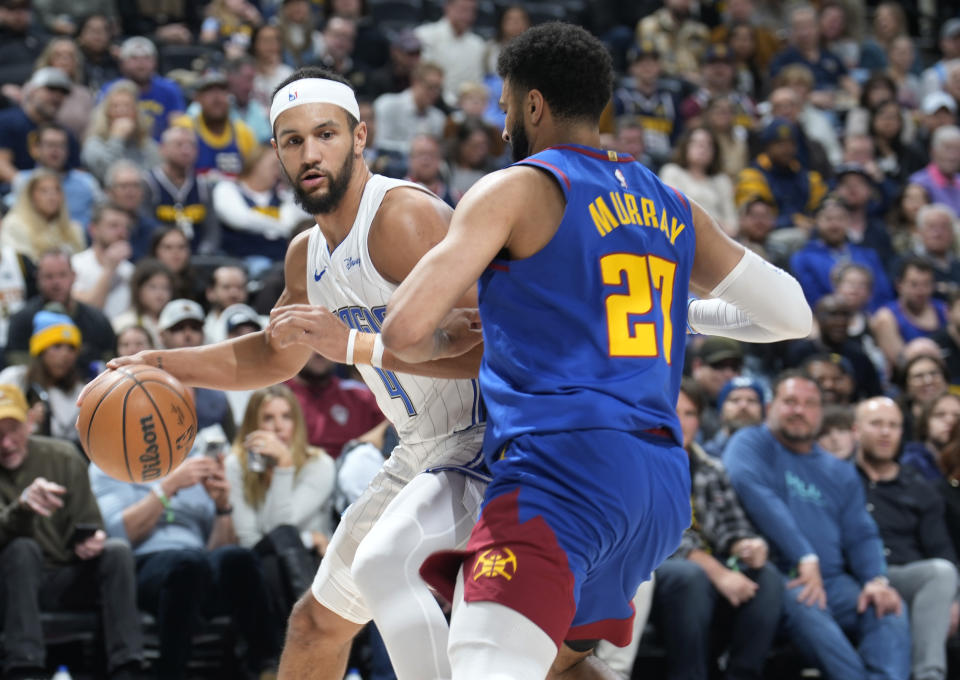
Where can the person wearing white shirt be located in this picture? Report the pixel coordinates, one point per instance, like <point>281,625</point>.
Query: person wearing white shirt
<point>450,42</point>
<point>401,116</point>
<point>104,270</point>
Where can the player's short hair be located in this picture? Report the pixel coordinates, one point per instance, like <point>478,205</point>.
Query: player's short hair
<point>570,67</point>
<point>317,72</point>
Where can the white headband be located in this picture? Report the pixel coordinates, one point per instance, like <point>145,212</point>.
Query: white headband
<point>314,91</point>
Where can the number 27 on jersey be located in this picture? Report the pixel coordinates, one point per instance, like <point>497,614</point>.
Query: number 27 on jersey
<point>641,274</point>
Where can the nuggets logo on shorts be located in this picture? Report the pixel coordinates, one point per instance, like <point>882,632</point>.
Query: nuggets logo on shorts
<point>494,563</point>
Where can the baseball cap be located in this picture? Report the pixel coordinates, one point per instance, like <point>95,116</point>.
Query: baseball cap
<point>716,349</point>
<point>852,169</point>
<point>934,101</point>
<point>740,382</point>
<point>950,29</point>
<point>240,314</point>
<point>210,78</point>
<point>50,76</point>
<point>778,130</point>
<point>179,310</point>
<point>137,46</point>
<point>717,52</point>
<point>644,48</point>
<point>12,403</point>
<point>407,41</point>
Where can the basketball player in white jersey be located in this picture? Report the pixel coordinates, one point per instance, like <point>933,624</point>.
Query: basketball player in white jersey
<point>339,276</point>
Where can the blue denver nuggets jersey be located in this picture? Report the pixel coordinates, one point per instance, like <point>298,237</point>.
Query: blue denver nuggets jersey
<point>590,331</point>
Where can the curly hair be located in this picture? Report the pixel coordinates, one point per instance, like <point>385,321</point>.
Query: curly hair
<point>570,67</point>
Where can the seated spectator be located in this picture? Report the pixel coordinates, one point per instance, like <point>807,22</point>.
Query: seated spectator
<point>937,226</point>
<point>53,378</point>
<point>41,100</point>
<point>811,508</point>
<point>18,282</point>
<point>940,178</point>
<point>650,100</point>
<point>335,49</point>
<point>897,157</point>
<point>680,38</point>
<point>777,176</point>
<point>717,69</point>
<point>902,219</point>
<point>715,363</point>
<point>160,98</point>
<point>424,167</point>
<point>151,287</point>
<point>188,566</point>
<point>756,219</point>
<point>80,189</point>
<point>55,279</point>
<point>240,72</point>
<point>932,431</point>
<point>126,189</point>
<point>915,313</point>
<point>181,325</point>
<point>46,497</point>
<point>228,286</point>
<point>226,19</point>
<point>256,219</point>
<point>74,114</point>
<point>902,55</point>
<point>740,403</point>
<point>180,196</point>
<point>22,38</point>
<point>834,376</point>
<point>860,153</point>
<point>949,484</point>
<point>133,339</point>
<point>937,110</point>
<point>804,47</point>
<point>921,562</point>
<point>922,379</point>
<point>39,219</point>
<point>451,41</point>
<point>104,269</point>
<point>172,23</point>
<point>818,147</point>
<point>745,13</point>
<point>94,40</point>
<point>717,590</point>
<point>853,284</point>
<point>829,246</point>
<point>394,76</point>
<point>865,205</point>
<point>119,130</point>
<point>948,338</point>
<point>935,77</point>
<point>335,410</point>
<point>696,171</point>
<point>718,118</point>
<point>223,142</point>
<point>266,48</point>
<point>876,90</point>
<point>836,431</point>
<point>297,25</point>
<point>278,480</point>
<point>401,117</point>
<point>170,245</point>
<point>471,158</point>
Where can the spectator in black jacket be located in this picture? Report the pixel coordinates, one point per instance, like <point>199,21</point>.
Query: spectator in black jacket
<point>921,563</point>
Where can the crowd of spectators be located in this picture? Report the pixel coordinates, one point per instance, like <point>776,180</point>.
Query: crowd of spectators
<point>142,206</point>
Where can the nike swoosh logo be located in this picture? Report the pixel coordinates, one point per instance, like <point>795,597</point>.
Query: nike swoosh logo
<point>316,276</point>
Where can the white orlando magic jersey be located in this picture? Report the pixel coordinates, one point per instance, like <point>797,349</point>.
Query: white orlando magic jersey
<point>346,282</point>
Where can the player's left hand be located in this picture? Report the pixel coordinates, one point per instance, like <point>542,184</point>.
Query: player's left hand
<point>315,327</point>
<point>461,330</point>
<point>884,599</point>
<point>92,547</point>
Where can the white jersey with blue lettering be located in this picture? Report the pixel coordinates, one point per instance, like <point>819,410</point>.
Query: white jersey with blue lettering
<point>348,284</point>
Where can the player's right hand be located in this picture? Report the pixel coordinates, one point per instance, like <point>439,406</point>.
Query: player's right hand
<point>43,497</point>
<point>462,330</point>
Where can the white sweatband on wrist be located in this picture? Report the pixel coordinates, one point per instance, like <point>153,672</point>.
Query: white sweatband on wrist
<point>314,91</point>
<point>758,302</point>
<point>351,341</point>
<point>376,359</point>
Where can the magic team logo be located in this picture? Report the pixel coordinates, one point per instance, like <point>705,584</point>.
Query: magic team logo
<point>494,563</point>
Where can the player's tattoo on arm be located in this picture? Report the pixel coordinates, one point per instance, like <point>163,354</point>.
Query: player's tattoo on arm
<point>160,363</point>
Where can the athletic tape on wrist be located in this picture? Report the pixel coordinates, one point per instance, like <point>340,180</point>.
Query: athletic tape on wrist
<point>376,359</point>
<point>351,341</point>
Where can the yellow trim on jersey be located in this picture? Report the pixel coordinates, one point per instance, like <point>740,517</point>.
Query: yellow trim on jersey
<point>246,140</point>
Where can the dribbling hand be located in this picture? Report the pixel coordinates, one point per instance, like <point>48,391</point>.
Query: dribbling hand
<point>311,326</point>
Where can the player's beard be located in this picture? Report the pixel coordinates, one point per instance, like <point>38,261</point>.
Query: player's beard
<point>336,189</point>
<point>519,142</point>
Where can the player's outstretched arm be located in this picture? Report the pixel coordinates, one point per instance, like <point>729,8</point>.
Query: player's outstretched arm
<point>754,301</point>
<point>480,228</point>
<point>249,362</point>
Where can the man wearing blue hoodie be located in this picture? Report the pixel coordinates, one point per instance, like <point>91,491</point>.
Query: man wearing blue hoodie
<point>811,508</point>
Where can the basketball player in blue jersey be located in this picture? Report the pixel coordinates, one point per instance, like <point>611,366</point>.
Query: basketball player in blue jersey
<point>585,260</point>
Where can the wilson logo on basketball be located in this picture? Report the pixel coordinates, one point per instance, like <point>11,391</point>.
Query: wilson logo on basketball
<point>150,458</point>
<point>493,563</point>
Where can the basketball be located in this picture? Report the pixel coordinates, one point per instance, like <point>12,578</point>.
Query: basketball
<point>137,423</point>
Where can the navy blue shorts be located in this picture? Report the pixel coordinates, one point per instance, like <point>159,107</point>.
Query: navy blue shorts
<point>571,524</point>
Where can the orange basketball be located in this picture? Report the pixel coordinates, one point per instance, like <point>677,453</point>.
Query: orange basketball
<point>137,423</point>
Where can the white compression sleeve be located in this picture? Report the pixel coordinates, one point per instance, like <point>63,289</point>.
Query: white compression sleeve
<point>755,302</point>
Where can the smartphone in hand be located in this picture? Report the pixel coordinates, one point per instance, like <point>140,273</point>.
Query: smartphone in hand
<point>82,532</point>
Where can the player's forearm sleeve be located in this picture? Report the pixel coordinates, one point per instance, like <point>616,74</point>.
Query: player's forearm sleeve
<point>755,302</point>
